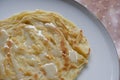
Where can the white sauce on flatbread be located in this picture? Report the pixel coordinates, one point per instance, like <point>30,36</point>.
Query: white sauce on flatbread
<point>51,70</point>
<point>3,37</point>
<point>50,25</point>
<point>73,56</point>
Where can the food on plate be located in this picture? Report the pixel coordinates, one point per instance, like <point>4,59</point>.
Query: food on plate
<point>41,45</point>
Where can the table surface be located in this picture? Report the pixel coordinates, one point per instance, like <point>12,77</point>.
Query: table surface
<point>108,11</point>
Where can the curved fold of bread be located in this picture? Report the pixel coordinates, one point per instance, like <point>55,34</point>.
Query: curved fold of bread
<point>41,45</point>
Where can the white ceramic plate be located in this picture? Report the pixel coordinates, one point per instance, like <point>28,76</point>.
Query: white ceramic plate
<point>103,62</point>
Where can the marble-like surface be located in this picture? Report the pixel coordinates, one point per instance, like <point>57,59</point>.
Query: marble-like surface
<point>108,11</point>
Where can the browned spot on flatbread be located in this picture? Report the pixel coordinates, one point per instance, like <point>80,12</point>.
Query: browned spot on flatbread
<point>28,73</point>
<point>63,48</point>
<point>35,76</point>
<point>43,71</point>
<point>9,43</point>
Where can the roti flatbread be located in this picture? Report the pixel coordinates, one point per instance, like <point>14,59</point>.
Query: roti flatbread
<point>41,45</point>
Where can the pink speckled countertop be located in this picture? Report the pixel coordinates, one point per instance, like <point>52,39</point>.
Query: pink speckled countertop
<point>108,11</point>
